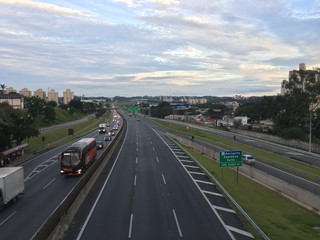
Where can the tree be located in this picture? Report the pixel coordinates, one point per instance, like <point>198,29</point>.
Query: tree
<point>35,106</point>
<point>304,94</point>
<point>3,86</point>
<point>15,125</point>
<point>76,104</point>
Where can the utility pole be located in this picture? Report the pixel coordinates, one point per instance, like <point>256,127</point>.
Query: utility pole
<point>310,130</point>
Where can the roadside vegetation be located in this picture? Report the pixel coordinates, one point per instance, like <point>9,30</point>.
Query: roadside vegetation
<point>59,136</point>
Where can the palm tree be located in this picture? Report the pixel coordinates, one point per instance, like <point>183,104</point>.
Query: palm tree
<point>3,86</point>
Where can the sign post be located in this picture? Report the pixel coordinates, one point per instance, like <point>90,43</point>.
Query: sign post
<point>231,159</point>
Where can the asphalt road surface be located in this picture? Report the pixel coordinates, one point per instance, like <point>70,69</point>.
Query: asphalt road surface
<point>148,192</point>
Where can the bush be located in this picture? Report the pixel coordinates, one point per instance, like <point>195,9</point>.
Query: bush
<point>293,133</point>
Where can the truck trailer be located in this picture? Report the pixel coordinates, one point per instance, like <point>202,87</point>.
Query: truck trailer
<point>11,184</point>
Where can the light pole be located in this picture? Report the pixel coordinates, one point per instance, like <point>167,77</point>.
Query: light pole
<point>310,130</point>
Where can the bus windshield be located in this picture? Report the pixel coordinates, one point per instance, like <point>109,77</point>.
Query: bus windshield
<point>70,159</point>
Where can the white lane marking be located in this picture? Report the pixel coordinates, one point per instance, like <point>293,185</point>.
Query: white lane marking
<point>151,142</point>
<point>164,180</point>
<point>49,183</point>
<point>135,180</point>
<point>136,160</point>
<point>240,231</point>
<point>294,153</point>
<point>153,148</point>
<point>177,222</point>
<point>213,193</point>
<point>101,191</point>
<point>137,149</point>
<point>187,161</point>
<point>224,209</point>
<point>192,166</point>
<point>8,218</point>
<point>198,173</point>
<point>40,168</point>
<point>130,225</point>
<point>199,181</point>
<point>157,159</point>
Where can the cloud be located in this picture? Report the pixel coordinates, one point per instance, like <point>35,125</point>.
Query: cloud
<point>157,47</point>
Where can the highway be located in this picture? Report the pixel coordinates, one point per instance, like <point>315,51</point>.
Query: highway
<point>289,152</point>
<point>152,190</point>
<point>296,155</point>
<point>45,189</point>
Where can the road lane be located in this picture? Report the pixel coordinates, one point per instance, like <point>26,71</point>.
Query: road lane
<point>146,195</point>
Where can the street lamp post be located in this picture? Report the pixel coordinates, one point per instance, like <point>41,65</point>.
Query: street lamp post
<point>310,130</point>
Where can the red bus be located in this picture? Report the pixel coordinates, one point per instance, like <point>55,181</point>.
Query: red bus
<point>77,157</point>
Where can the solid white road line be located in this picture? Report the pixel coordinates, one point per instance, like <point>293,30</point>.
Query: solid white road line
<point>8,218</point>
<point>177,222</point>
<point>48,183</point>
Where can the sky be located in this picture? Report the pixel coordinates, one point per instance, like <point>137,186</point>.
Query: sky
<point>157,47</point>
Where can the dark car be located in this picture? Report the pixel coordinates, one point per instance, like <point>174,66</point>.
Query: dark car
<point>107,138</point>
<point>99,144</point>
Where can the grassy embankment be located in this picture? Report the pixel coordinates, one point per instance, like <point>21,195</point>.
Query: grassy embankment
<point>60,136</point>
<point>276,215</point>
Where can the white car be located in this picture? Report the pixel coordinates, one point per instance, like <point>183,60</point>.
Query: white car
<point>248,159</point>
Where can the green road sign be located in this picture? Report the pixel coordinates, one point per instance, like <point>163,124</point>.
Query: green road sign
<point>231,159</point>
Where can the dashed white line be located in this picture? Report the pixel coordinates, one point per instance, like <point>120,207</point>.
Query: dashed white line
<point>177,222</point>
<point>48,183</point>
<point>8,218</point>
<point>164,180</point>
<point>135,180</point>
<point>153,148</point>
<point>136,160</point>
<point>130,225</point>
<point>157,159</point>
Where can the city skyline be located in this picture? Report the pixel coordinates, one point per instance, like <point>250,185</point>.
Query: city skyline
<point>157,47</point>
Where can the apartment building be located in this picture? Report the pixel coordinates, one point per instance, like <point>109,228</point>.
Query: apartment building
<point>53,96</point>
<point>67,96</point>
<point>25,92</point>
<point>40,94</point>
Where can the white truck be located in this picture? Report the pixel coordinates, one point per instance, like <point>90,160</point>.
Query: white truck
<point>11,183</point>
<point>102,128</point>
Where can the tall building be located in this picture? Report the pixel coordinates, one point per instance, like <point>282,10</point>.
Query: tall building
<point>53,96</point>
<point>67,96</point>
<point>25,92</point>
<point>10,90</point>
<point>297,74</point>
<point>40,94</point>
